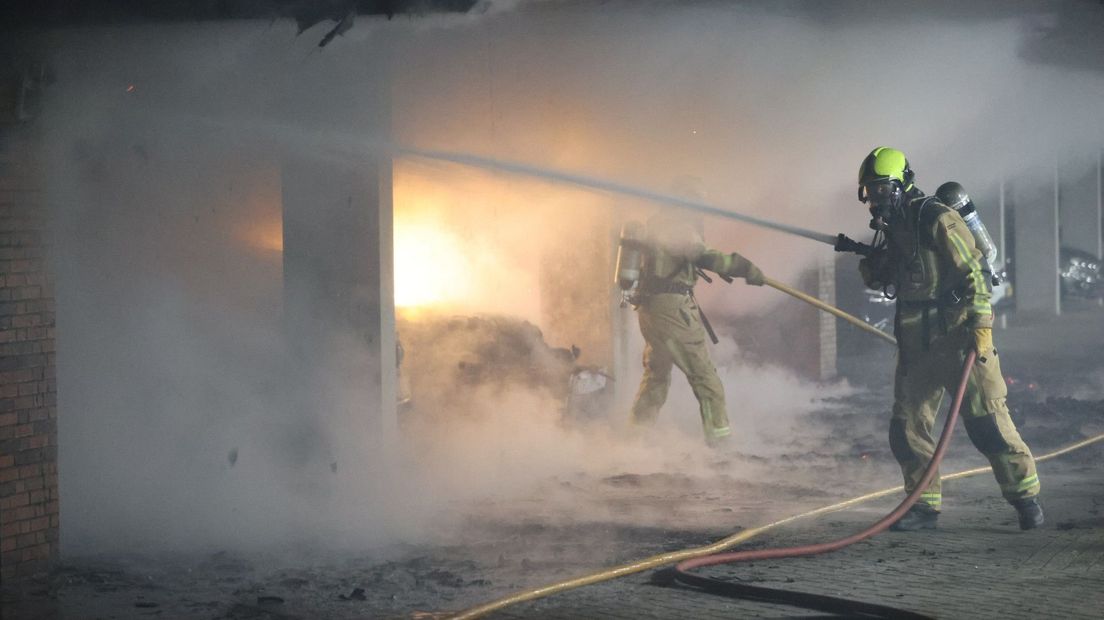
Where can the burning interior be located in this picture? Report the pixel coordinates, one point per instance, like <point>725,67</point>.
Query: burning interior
<point>270,295</point>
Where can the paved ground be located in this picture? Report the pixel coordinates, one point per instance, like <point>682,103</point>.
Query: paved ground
<point>977,565</point>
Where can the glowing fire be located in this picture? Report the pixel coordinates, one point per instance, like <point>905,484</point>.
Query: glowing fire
<point>267,236</point>
<point>469,243</point>
<point>431,267</point>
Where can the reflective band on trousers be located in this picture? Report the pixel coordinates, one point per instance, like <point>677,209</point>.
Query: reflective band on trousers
<point>932,499</point>
<point>719,432</point>
<point>1023,485</point>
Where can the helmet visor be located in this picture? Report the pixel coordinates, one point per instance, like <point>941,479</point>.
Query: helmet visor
<point>883,192</point>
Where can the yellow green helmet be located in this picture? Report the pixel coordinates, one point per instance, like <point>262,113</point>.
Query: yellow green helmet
<point>886,164</point>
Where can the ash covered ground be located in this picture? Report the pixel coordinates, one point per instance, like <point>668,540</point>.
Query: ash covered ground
<point>571,524</point>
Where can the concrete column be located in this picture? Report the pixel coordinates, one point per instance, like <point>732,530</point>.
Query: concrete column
<point>1036,248</point>
<point>339,305</point>
<point>627,343</point>
<point>1002,241</point>
<point>1002,224</point>
<point>620,316</point>
<point>826,291</point>
<point>383,294</point>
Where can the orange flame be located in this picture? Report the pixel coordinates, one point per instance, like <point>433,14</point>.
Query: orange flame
<point>431,267</point>
<point>267,237</point>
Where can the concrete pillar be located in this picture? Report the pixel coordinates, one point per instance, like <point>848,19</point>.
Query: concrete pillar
<point>1036,247</point>
<point>1001,239</point>
<point>1002,224</point>
<point>826,291</point>
<point>627,342</point>
<point>339,305</point>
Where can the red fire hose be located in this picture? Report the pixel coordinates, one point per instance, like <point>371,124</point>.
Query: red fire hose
<point>816,601</point>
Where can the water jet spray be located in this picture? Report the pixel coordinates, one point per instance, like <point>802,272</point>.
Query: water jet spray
<point>610,186</point>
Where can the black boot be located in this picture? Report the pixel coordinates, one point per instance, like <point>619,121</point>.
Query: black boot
<point>920,517</point>
<point>1029,511</point>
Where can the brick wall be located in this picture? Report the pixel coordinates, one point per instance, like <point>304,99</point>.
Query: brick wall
<point>28,383</point>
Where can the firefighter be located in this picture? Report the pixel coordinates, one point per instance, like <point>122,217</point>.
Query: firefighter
<point>927,257</point>
<point>673,326</point>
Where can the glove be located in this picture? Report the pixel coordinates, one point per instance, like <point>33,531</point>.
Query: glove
<point>874,270</point>
<point>754,277</point>
<point>983,339</point>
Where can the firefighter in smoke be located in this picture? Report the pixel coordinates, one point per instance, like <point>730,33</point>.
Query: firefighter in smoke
<point>668,255</point>
<point>926,255</point>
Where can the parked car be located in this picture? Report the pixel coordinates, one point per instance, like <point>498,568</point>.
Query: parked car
<point>1080,274</point>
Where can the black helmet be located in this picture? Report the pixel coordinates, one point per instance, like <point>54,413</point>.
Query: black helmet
<point>953,195</point>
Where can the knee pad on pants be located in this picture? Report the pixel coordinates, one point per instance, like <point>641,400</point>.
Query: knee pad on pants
<point>985,434</point>
<point>898,441</point>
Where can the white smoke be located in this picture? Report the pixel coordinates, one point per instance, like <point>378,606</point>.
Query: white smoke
<point>177,419</point>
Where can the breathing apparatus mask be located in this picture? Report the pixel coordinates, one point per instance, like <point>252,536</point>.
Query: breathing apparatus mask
<point>884,197</point>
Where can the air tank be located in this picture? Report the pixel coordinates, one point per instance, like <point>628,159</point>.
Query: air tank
<point>630,258</point>
<point>982,240</point>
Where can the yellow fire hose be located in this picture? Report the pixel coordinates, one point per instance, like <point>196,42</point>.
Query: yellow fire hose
<point>662,559</point>
<point>809,299</point>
